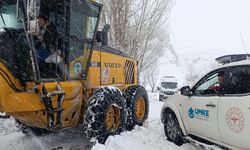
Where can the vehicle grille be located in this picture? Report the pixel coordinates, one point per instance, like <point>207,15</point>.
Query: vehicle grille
<point>129,72</point>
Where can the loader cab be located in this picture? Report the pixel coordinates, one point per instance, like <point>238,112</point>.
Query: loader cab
<point>76,23</point>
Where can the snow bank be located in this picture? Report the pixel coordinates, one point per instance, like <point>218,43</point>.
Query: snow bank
<point>150,136</point>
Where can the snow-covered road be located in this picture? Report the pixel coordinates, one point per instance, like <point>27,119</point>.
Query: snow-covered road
<point>11,138</point>
<point>148,137</point>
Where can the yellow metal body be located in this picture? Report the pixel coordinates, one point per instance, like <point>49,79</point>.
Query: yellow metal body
<point>110,69</point>
<point>105,69</point>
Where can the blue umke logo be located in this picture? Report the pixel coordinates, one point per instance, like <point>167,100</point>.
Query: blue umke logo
<point>198,112</point>
<point>191,112</point>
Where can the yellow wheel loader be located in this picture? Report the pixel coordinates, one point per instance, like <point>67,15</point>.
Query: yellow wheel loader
<point>88,84</point>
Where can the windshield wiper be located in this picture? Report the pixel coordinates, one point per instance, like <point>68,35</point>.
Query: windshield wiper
<point>3,20</point>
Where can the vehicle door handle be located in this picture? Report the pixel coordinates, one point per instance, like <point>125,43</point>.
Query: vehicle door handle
<point>210,105</point>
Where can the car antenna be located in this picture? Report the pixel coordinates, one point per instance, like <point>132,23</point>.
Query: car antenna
<point>244,45</point>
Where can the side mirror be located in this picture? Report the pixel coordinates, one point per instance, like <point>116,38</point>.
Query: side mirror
<point>105,30</point>
<point>158,88</point>
<point>99,36</point>
<point>186,91</point>
<point>33,8</point>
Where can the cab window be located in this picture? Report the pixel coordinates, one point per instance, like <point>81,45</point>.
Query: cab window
<point>8,16</point>
<point>203,87</point>
<point>83,24</point>
<point>239,81</point>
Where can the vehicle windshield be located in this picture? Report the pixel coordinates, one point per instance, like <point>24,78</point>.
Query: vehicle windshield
<point>169,85</point>
<point>8,16</point>
<point>85,20</point>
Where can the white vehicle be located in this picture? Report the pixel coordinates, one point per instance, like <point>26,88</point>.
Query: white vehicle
<point>167,87</point>
<point>217,115</point>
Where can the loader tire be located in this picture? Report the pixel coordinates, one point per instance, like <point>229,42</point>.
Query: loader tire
<point>138,106</point>
<point>105,114</point>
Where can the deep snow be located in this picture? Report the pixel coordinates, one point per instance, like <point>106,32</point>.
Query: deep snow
<point>150,136</point>
<point>11,138</point>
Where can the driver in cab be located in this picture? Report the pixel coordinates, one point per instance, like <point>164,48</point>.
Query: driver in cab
<point>217,87</point>
<point>47,45</point>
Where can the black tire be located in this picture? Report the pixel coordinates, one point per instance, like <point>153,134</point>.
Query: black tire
<point>31,130</point>
<point>132,95</point>
<point>172,128</point>
<point>103,100</point>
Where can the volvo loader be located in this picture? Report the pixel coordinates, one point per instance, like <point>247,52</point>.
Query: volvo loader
<point>89,84</point>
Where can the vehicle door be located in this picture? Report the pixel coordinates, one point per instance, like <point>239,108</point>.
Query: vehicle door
<point>84,18</point>
<point>234,108</point>
<point>200,109</point>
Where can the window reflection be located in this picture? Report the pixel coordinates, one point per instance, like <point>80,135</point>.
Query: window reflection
<point>8,17</point>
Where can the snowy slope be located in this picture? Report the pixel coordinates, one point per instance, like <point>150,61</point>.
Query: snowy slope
<point>150,136</point>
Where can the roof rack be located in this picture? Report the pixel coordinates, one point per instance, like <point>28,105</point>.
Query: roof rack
<point>232,58</point>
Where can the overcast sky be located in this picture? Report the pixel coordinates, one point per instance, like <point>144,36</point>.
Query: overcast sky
<point>211,26</point>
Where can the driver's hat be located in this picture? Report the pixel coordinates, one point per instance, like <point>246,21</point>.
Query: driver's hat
<point>221,73</point>
<point>45,17</point>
